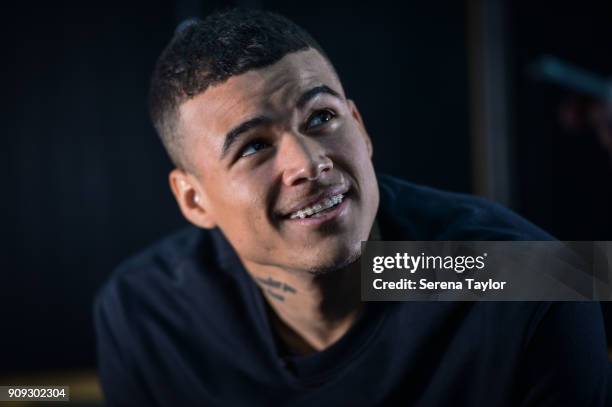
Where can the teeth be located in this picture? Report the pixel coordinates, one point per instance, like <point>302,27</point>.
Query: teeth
<point>318,207</point>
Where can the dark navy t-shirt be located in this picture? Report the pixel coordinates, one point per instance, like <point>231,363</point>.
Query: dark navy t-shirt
<point>183,324</point>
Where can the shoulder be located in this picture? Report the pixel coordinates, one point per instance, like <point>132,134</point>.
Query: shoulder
<point>424,213</point>
<point>154,273</point>
<point>141,303</point>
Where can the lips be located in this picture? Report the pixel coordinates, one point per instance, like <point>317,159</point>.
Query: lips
<point>321,206</point>
<point>334,213</point>
<point>315,199</point>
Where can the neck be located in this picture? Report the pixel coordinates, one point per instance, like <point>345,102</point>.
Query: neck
<point>311,312</point>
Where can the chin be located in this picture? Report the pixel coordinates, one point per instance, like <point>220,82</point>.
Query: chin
<point>333,260</point>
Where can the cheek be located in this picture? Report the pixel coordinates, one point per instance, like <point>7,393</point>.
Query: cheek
<point>350,147</point>
<point>243,203</point>
<point>243,218</point>
<point>354,155</point>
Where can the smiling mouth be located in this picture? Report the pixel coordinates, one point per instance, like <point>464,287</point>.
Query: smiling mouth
<point>318,208</point>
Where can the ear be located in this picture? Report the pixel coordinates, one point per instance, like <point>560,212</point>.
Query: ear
<point>191,199</point>
<point>357,116</point>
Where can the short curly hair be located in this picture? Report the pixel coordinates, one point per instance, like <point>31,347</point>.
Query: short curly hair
<point>207,52</point>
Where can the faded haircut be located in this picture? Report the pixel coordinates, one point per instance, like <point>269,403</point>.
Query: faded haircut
<point>208,52</point>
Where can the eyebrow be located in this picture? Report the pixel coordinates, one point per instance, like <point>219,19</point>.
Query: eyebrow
<point>309,94</point>
<point>234,134</point>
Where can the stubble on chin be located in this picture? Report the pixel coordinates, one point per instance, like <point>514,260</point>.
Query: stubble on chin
<point>334,265</point>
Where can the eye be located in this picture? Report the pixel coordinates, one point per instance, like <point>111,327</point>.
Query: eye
<point>319,118</point>
<point>253,147</point>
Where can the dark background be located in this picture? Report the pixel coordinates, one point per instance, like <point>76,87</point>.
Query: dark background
<point>86,181</point>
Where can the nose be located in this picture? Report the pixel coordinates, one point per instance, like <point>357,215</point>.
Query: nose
<point>302,159</point>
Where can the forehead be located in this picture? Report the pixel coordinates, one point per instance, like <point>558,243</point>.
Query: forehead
<point>277,86</point>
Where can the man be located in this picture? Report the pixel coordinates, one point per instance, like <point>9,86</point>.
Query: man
<point>258,303</point>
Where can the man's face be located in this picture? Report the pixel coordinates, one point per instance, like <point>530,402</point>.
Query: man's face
<point>270,150</point>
